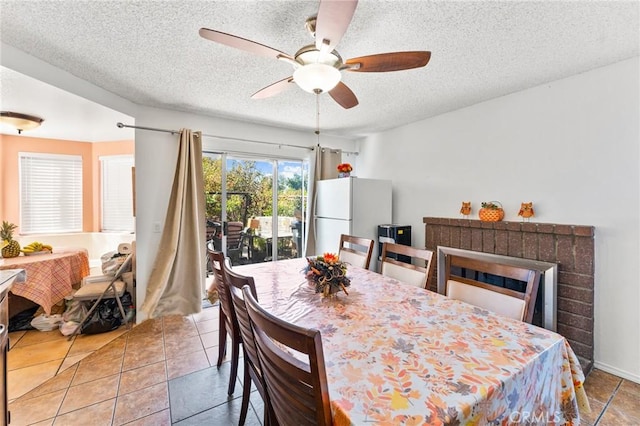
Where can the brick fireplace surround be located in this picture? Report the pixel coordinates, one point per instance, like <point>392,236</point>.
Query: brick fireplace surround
<point>570,246</point>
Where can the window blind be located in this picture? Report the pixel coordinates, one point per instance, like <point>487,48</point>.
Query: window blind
<point>50,193</point>
<point>117,193</point>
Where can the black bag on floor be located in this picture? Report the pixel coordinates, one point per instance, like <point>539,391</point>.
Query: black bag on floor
<point>106,317</point>
<point>22,321</point>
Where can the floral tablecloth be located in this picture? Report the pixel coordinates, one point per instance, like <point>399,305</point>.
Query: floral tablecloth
<point>396,354</point>
<point>50,277</point>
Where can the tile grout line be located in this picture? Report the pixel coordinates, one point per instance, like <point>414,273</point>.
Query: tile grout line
<point>604,409</point>
<point>116,398</point>
<point>124,352</point>
<point>66,355</point>
<point>66,392</point>
<point>15,370</point>
<point>69,386</point>
<point>166,367</point>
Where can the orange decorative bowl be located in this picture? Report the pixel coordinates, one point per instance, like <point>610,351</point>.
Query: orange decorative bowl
<point>491,212</point>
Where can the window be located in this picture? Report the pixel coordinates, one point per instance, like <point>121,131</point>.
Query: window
<point>50,193</point>
<point>117,193</point>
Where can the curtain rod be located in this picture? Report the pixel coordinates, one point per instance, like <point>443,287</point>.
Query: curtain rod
<point>175,132</point>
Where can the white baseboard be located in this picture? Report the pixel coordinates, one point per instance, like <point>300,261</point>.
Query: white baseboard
<point>617,372</point>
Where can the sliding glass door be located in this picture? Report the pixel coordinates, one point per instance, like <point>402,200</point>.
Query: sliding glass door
<point>292,207</point>
<point>255,206</point>
<point>249,208</point>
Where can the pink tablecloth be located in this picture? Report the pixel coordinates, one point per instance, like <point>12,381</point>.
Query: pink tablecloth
<point>399,355</point>
<point>50,277</point>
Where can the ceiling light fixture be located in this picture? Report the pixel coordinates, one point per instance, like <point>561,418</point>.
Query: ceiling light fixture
<point>312,77</point>
<point>20,121</point>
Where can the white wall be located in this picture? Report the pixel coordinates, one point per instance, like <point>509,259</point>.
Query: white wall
<point>571,147</point>
<point>156,155</point>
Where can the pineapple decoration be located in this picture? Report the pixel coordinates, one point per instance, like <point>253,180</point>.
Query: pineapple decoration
<point>12,248</point>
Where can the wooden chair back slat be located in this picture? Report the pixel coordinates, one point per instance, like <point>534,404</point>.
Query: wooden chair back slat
<point>228,322</point>
<point>226,304</point>
<point>414,253</point>
<point>354,248</point>
<point>236,283</point>
<point>252,365</point>
<point>293,368</point>
<point>529,276</point>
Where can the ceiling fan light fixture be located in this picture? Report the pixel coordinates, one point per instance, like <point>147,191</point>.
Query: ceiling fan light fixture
<point>20,121</point>
<point>313,77</point>
<point>318,66</point>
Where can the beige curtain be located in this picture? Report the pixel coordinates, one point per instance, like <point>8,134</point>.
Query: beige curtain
<point>177,278</point>
<point>324,166</point>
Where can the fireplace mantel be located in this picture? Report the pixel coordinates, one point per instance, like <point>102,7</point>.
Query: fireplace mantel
<point>570,246</point>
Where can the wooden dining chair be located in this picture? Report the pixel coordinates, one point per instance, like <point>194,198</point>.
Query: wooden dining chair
<point>296,385</point>
<point>251,363</point>
<point>501,300</point>
<point>355,250</point>
<point>408,273</point>
<point>228,322</point>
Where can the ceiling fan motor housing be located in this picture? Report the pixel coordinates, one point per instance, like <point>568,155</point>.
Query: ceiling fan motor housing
<point>316,71</point>
<point>310,55</point>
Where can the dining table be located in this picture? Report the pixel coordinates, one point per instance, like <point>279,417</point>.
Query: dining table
<point>50,277</point>
<point>396,354</point>
<point>285,246</point>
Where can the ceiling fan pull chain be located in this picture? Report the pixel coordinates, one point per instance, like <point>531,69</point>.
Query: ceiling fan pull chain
<point>318,114</point>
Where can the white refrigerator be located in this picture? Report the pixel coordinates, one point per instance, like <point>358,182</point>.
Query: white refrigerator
<point>352,206</point>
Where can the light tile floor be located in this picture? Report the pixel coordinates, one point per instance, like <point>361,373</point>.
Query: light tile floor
<point>163,372</point>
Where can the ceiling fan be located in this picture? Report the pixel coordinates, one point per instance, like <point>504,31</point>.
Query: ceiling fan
<point>317,67</point>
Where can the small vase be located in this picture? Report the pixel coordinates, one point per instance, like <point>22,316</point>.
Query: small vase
<point>344,174</point>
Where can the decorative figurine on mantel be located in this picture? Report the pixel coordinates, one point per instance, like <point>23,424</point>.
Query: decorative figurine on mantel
<point>526,211</point>
<point>491,211</point>
<point>465,210</point>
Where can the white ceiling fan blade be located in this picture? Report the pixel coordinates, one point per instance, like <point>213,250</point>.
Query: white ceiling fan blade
<point>241,43</point>
<point>332,22</point>
<point>273,89</point>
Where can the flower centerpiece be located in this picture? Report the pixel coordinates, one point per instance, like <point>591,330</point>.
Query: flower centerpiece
<point>328,274</point>
<point>344,170</point>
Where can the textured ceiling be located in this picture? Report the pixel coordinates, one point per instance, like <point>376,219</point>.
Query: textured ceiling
<point>66,116</point>
<point>150,53</point>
